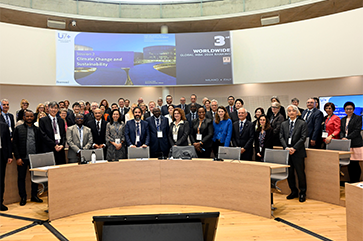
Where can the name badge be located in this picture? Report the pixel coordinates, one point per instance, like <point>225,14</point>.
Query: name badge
<point>289,141</point>
<point>324,134</point>
<point>117,141</point>
<point>260,149</point>
<point>160,134</point>
<point>137,139</point>
<point>199,137</point>
<point>175,137</point>
<point>10,129</point>
<point>57,137</point>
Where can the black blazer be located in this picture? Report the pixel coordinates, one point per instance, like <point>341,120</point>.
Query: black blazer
<point>267,143</point>
<point>5,142</point>
<point>183,134</point>
<point>46,128</point>
<point>276,125</point>
<point>234,116</point>
<point>189,118</point>
<point>245,139</point>
<point>98,138</point>
<point>147,115</point>
<point>20,140</point>
<point>156,142</point>
<point>206,129</point>
<point>270,113</point>
<point>314,123</point>
<point>354,129</point>
<point>164,109</point>
<point>299,135</point>
<point>187,108</point>
<point>12,123</point>
<point>228,109</point>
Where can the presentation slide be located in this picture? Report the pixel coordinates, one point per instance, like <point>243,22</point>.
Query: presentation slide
<point>97,59</point>
<point>339,102</point>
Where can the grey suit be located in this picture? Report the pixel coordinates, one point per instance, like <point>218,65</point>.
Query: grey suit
<point>74,141</point>
<point>296,160</point>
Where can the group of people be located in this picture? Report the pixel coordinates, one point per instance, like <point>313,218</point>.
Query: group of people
<point>207,126</point>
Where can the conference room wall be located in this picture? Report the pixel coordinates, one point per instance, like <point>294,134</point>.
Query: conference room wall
<point>254,95</point>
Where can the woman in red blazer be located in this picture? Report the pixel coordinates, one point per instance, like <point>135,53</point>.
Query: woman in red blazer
<point>331,124</point>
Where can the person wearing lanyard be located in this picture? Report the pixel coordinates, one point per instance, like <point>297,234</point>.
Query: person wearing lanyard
<point>179,129</point>
<point>137,130</point>
<point>201,134</point>
<point>159,130</point>
<point>222,130</point>
<point>331,124</point>
<point>115,137</point>
<point>293,133</point>
<point>263,137</point>
<point>350,130</point>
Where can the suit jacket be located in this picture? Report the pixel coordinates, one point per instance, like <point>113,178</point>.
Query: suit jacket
<point>147,115</point>
<point>71,119</point>
<point>189,118</point>
<point>130,133</point>
<point>276,125</point>
<point>98,138</point>
<point>244,139</point>
<point>20,140</point>
<point>298,137</point>
<point>282,111</point>
<point>314,124</point>
<point>209,115</point>
<point>228,109</point>
<point>206,129</point>
<point>74,141</point>
<point>354,129</point>
<point>46,128</point>
<point>6,146</point>
<point>156,143</point>
<point>267,143</point>
<point>183,134</point>
<point>125,110</point>
<point>88,117</point>
<point>185,108</point>
<point>164,109</point>
<point>12,122</point>
<point>234,116</point>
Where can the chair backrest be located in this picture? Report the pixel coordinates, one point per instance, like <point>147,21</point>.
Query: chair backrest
<point>87,154</point>
<point>41,160</point>
<point>233,153</point>
<point>138,152</point>
<point>183,152</point>
<point>278,157</point>
<point>339,145</point>
<point>306,143</point>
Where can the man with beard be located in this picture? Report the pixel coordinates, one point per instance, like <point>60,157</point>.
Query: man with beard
<point>169,101</point>
<point>137,130</point>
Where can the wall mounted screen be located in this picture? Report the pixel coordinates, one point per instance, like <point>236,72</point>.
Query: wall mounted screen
<point>90,59</point>
<point>339,102</point>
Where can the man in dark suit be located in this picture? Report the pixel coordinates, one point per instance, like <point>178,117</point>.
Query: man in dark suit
<point>53,133</point>
<point>7,117</point>
<point>230,107</point>
<point>164,108</point>
<point>192,114</point>
<point>122,108</point>
<point>158,130</point>
<point>293,133</point>
<point>91,116</point>
<point>242,135</point>
<point>234,115</point>
<point>214,108</point>
<point>98,129</point>
<point>295,101</point>
<point>71,118</point>
<point>149,113</point>
<point>193,100</point>
<point>27,140</point>
<point>313,118</point>
<point>182,105</point>
<point>6,158</point>
<point>137,131</point>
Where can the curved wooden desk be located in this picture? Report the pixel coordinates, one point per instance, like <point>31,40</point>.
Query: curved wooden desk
<point>241,186</point>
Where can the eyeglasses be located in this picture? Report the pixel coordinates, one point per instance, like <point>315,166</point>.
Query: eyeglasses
<point>24,103</point>
<point>348,108</point>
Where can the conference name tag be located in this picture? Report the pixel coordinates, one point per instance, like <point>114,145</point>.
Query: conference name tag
<point>289,141</point>
<point>260,149</point>
<point>199,137</point>
<point>160,134</point>
<point>117,141</point>
<point>137,138</point>
<point>57,137</point>
<point>10,129</point>
<point>175,137</point>
<point>324,134</point>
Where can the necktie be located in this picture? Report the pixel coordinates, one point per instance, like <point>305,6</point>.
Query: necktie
<point>213,114</point>
<point>7,119</point>
<point>291,128</point>
<point>55,130</point>
<point>231,109</point>
<point>307,115</point>
<point>193,116</point>
<point>157,124</point>
<point>138,129</point>
<point>98,127</point>
<point>183,107</point>
<point>240,127</point>
<point>80,137</point>
<point>122,110</point>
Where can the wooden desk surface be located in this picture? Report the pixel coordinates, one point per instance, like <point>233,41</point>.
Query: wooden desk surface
<point>354,211</point>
